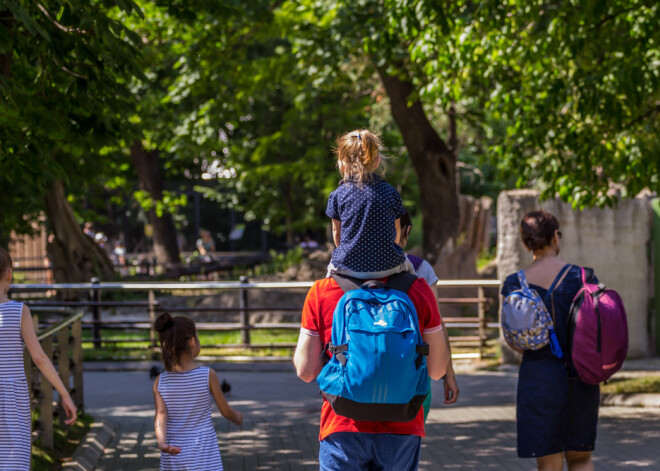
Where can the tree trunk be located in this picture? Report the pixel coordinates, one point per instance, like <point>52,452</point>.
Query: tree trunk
<point>435,165</point>
<point>75,256</point>
<point>5,58</point>
<point>147,166</point>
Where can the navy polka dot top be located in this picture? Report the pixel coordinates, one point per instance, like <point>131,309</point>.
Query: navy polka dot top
<point>367,212</point>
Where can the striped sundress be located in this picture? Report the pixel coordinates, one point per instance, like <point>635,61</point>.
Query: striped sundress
<point>15,426</point>
<point>188,399</point>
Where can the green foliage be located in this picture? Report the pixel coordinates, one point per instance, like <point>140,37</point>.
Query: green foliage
<point>63,95</point>
<point>565,92</point>
<point>631,385</point>
<point>280,262</point>
<point>66,438</point>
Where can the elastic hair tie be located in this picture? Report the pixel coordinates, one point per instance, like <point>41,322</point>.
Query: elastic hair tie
<point>359,136</point>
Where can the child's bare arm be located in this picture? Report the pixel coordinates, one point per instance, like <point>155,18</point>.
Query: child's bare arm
<point>397,225</point>
<point>224,407</point>
<point>160,423</point>
<point>336,231</point>
<point>45,365</point>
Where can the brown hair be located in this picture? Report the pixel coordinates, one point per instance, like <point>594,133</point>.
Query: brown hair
<point>174,334</point>
<point>358,154</point>
<point>537,229</point>
<point>5,261</point>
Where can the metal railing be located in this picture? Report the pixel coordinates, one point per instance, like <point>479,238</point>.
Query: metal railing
<point>61,343</point>
<point>95,306</point>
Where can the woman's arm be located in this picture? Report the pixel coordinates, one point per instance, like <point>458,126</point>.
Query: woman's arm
<point>45,365</point>
<point>225,409</point>
<point>160,423</point>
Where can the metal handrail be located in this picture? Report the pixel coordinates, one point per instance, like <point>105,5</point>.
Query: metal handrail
<point>60,325</point>
<point>164,285</point>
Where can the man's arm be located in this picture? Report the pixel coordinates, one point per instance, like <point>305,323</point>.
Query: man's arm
<point>307,358</point>
<point>438,357</point>
<point>450,383</point>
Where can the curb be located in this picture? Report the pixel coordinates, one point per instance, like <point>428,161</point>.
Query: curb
<point>91,449</point>
<point>240,366</point>
<point>631,400</point>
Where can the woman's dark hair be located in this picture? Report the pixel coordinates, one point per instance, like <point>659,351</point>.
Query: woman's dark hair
<point>5,261</point>
<point>174,334</point>
<point>537,229</point>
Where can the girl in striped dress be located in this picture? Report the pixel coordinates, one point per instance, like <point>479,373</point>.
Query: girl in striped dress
<point>16,330</point>
<point>184,395</point>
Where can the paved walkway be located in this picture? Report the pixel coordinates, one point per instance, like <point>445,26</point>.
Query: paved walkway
<point>280,431</point>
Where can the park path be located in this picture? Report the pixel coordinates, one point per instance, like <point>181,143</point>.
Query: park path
<point>280,431</point>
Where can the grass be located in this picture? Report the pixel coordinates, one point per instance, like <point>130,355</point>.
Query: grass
<point>646,384</point>
<point>66,440</point>
<point>131,350</point>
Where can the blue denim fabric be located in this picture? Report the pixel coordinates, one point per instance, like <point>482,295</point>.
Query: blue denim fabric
<point>353,451</point>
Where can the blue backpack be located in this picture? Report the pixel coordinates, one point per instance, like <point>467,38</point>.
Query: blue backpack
<point>377,370</point>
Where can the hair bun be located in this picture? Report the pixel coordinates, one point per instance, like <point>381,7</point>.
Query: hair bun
<point>164,322</point>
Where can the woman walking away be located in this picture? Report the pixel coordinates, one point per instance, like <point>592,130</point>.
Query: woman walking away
<point>556,413</point>
<point>184,394</point>
<point>16,329</point>
<point>365,212</point>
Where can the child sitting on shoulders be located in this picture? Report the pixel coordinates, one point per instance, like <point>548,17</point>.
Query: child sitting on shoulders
<point>365,212</point>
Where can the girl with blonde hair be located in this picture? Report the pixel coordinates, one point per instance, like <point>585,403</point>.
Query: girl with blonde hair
<point>365,212</point>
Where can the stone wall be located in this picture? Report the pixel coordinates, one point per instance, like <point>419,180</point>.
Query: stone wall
<point>615,242</point>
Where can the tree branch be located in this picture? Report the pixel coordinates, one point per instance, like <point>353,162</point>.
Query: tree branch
<point>68,71</point>
<point>642,117</point>
<point>58,25</point>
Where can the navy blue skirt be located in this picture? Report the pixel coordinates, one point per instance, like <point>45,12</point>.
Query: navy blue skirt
<point>553,413</point>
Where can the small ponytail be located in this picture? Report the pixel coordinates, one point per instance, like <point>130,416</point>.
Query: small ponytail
<point>164,322</point>
<point>174,334</point>
<point>358,154</point>
<point>5,261</point>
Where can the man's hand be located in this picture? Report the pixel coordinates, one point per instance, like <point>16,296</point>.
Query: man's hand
<point>451,387</point>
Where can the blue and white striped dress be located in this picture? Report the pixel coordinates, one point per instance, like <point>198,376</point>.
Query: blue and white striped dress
<point>15,426</point>
<point>188,399</point>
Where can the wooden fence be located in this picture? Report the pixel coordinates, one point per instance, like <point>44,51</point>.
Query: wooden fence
<point>477,325</point>
<point>62,343</point>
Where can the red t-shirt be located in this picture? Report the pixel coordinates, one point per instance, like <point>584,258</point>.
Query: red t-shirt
<point>317,314</point>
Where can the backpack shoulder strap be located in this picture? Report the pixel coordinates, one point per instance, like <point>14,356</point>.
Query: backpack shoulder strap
<point>415,260</point>
<point>401,281</point>
<point>559,278</point>
<point>522,279</point>
<point>347,283</point>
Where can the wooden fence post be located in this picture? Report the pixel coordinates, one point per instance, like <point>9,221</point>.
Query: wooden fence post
<point>95,297</point>
<point>481,313</point>
<point>63,360</point>
<point>77,359</point>
<point>46,403</point>
<point>152,320</point>
<point>245,317</point>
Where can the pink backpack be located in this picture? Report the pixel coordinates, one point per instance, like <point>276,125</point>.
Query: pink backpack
<point>597,332</point>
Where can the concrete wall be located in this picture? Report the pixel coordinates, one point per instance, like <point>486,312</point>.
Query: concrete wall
<point>615,242</point>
